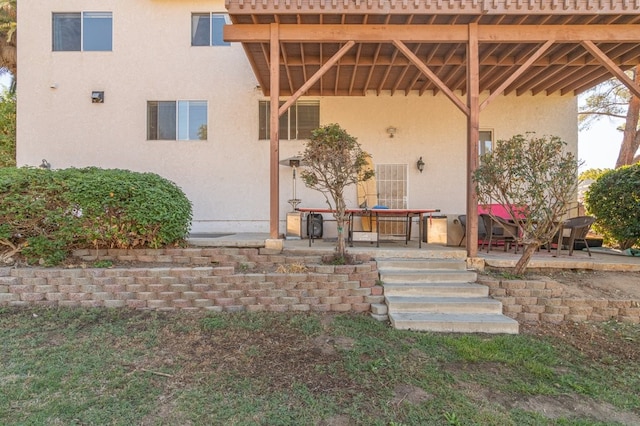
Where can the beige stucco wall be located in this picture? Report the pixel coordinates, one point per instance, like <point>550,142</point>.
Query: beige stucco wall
<point>227,177</point>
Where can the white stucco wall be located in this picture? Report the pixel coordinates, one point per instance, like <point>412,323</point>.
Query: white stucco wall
<point>227,176</point>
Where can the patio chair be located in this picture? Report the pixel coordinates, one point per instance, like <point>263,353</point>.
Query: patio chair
<point>578,229</point>
<point>482,233</point>
<point>499,229</point>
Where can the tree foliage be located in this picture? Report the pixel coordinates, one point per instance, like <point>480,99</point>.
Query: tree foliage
<point>614,199</point>
<point>534,179</point>
<point>7,130</point>
<point>46,213</point>
<point>332,160</point>
<point>8,36</point>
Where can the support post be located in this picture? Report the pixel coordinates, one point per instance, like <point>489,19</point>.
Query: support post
<point>274,137</point>
<point>473,136</point>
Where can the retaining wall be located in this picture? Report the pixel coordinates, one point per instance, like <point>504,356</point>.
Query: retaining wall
<point>219,287</point>
<point>543,300</point>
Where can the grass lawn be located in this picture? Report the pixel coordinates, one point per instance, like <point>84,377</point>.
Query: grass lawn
<point>123,367</point>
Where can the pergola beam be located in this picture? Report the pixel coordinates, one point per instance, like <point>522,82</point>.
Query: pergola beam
<point>612,67</point>
<point>411,33</point>
<point>431,75</point>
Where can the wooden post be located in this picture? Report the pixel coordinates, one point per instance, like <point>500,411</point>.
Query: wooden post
<point>473,136</point>
<point>274,137</point>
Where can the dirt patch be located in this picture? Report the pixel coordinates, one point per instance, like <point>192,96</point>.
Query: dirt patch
<point>597,284</point>
<point>554,407</point>
<point>607,346</point>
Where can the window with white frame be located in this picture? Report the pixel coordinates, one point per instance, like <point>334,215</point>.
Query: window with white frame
<point>206,29</point>
<point>296,123</point>
<point>485,143</point>
<point>177,120</point>
<point>83,31</point>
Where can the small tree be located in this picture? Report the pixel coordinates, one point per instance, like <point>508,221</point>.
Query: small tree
<point>7,129</point>
<point>535,179</point>
<point>614,199</point>
<point>332,160</point>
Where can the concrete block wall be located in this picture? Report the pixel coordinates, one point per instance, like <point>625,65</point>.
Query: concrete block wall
<point>543,300</point>
<point>323,288</point>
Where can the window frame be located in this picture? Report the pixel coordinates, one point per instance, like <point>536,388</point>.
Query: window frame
<point>286,133</point>
<point>483,148</point>
<point>213,30</point>
<point>82,17</point>
<point>177,127</point>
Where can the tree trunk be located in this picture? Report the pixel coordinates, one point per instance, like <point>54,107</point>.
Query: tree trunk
<point>341,248</point>
<point>529,249</point>
<point>630,140</point>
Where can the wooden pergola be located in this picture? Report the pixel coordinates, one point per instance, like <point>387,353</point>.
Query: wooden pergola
<point>470,51</point>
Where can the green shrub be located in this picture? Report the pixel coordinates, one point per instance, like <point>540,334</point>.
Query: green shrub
<point>46,213</point>
<point>614,199</point>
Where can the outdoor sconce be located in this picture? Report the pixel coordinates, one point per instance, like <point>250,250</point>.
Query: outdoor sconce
<point>45,165</point>
<point>420,165</point>
<point>391,131</point>
<point>97,97</point>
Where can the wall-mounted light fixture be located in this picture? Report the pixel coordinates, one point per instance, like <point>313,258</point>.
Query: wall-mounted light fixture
<point>420,165</point>
<point>45,165</point>
<point>97,97</point>
<point>391,131</point>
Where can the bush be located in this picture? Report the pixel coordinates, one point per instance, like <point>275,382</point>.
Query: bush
<point>614,199</point>
<point>46,213</point>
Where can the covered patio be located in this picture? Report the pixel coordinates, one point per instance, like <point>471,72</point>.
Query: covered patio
<point>470,51</point>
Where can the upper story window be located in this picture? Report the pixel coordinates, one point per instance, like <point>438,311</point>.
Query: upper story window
<point>83,31</point>
<point>206,29</point>
<point>177,120</point>
<point>296,123</point>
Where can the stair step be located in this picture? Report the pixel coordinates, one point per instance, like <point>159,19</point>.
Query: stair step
<point>462,305</point>
<point>459,323</point>
<point>400,276</point>
<point>421,264</point>
<point>436,289</point>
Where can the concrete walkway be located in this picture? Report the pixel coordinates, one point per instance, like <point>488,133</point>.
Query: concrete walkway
<point>495,258</point>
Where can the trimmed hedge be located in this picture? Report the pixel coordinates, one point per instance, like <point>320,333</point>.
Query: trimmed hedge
<point>46,213</point>
<point>614,199</point>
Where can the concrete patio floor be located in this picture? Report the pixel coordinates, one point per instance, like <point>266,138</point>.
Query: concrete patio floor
<point>494,258</point>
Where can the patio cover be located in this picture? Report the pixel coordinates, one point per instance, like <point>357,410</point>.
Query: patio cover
<point>471,51</point>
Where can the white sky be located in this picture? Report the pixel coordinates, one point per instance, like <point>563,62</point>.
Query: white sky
<point>599,146</point>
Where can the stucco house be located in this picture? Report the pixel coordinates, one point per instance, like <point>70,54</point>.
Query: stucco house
<point>189,89</point>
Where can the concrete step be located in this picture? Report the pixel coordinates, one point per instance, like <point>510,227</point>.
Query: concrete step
<point>452,305</point>
<point>400,276</point>
<point>436,289</point>
<point>459,323</point>
<point>421,264</point>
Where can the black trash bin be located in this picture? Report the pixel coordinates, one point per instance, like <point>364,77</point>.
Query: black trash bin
<point>314,225</point>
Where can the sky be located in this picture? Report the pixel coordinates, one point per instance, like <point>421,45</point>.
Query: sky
<point>598,147</point>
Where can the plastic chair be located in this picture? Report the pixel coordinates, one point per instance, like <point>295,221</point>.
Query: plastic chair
<point>499,229</point>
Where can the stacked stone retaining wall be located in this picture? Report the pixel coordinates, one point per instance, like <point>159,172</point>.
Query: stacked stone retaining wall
<point>219,286</point>
<point>543,300</point>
